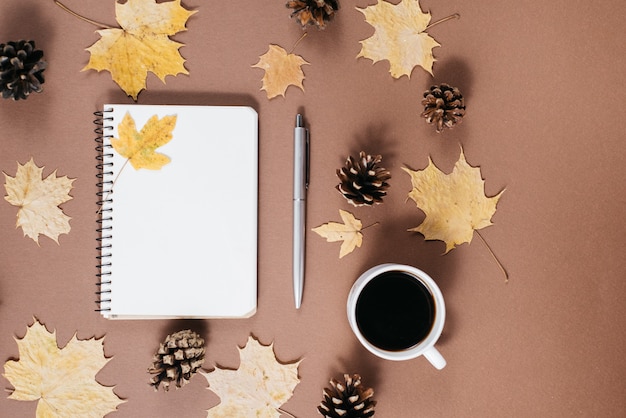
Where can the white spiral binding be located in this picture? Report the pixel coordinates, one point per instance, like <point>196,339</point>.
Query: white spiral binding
<point>105,211</point>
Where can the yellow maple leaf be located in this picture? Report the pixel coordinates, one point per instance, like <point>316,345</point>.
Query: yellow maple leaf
<point>281,70</point>
<point>139,147</point>
<point>455,204</point>
<point>62,381</point>
<point>38,201</point>
<point>257,388</point>
<point>349,232</point>
<point>399,37</point>
<point>142,44</point>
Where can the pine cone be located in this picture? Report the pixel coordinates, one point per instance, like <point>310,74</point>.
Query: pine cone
<point>347,400</point>
<point>21,69</point>
<point>443,106</point>
<point>313,12</point>
<point>363,182</point>
<point>177,359</point>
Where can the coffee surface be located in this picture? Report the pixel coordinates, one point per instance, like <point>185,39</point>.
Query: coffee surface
<point>395,311</point>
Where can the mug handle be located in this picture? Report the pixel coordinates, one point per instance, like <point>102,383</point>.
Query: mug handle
<point>435,358</point>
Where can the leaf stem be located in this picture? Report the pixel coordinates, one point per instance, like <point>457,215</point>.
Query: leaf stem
<point>506,274</point>
<point>445,19</point>
<point>374,224</point>
<point>298,41</point>
<point>106,197</point>
<point>282,411</point>
<point>83,18</point>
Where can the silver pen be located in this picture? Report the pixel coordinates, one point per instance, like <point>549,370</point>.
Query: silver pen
<point>300,185</point>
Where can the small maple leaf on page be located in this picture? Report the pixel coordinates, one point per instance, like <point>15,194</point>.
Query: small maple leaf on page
<point>142,44</point>
<point>140,146</point>
<point>282,70</point>
<point>399,37</point>
<point>38,200</point>
<point>61,380</point>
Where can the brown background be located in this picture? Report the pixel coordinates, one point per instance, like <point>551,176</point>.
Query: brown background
<point>545,100</point>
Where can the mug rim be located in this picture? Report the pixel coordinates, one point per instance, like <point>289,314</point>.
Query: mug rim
<point>438,323</point>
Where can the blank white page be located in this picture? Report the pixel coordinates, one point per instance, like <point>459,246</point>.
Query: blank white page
<point>184,238</point>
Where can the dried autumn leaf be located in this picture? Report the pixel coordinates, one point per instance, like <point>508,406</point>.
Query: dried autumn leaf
<point>399,37</point>
<point>62,381</point>
<point>38,200</point>
<point>142,44</point>
<point>139,147</point>
<point>349,232</point>
<point>257,388</point>
<point>455,204</point>
<point>281,71</point>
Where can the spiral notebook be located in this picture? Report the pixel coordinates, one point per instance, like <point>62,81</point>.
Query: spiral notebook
<point>178,211</point>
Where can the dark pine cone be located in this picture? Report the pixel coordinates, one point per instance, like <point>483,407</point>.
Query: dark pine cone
<point>21,69</point>
<point>178,358</point>
<point>443,106</point>
<point>347,400</point>
<point>313,12</point>
<point>363,182</point>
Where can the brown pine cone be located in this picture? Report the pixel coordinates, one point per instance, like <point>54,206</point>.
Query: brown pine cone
<point>363,182</point>
<point>443,106</point>
<point>313,12</point>
<point>348,399</point>
<point>177,360</point>
<point>21,69</point>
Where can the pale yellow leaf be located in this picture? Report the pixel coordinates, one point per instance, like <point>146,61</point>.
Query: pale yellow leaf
<point>257,388</point>
<point>281,71</point>
<point>455,204</point>
<point>62,381</point>
<point>349,232</point>
<point>38,201</point>
<point>142,44</point>
<point>139,146</point>
<point>399,37</point>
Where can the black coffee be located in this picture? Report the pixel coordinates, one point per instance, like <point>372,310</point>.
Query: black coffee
<point>394,311</point>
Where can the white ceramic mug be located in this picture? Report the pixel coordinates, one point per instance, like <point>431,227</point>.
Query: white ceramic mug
<point>426,346</point>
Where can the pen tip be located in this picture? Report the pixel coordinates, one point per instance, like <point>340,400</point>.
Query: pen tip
<point>299,121</point>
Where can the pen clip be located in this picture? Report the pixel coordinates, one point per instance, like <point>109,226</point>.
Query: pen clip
<point>307,161</point>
